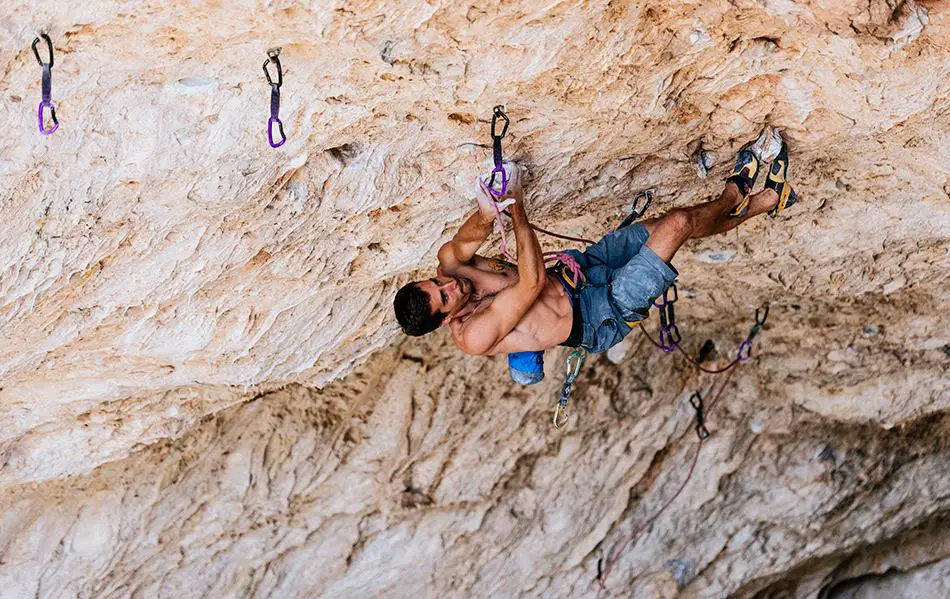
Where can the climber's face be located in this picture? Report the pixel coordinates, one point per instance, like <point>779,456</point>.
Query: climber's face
<point>447,294</point>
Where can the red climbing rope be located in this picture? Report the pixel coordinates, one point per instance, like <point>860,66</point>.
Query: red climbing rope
<point>696,363</point>
<point>692,360</point>
<point>613,556</point>
<point>559,236</point>
<point>742,355</point>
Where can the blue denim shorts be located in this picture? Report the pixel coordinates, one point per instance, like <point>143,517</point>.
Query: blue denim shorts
<point>622,277</point>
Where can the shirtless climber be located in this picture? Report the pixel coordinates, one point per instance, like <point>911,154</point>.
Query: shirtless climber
<point>494,308</point>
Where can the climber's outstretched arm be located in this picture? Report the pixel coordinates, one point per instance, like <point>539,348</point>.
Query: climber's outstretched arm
<point>485,329</point>
<point>466,242</point>
<point>478,226</point>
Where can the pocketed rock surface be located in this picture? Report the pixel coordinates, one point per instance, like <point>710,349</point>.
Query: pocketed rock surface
<point>203,392</point>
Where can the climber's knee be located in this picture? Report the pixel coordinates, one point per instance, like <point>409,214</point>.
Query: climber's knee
<point>668,232</point>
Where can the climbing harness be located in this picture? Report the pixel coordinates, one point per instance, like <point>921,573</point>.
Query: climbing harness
<point>272,57</point>
<point>498,113</point>
<point>576,275</point>
<point>574,362</point>
<point>669,332</point>
<point>47,101</point>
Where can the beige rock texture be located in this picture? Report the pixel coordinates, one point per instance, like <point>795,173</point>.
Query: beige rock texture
<point>932,580</point>
<point>203,392</point>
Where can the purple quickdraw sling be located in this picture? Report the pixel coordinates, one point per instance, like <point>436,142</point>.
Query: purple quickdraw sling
<point>46,102</point>
<point>497,157</point>
<point>272,57</point>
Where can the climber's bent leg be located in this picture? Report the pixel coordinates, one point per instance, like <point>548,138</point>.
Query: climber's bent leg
<point>670,231</point>
<point>616,294</point>
<point>614,298</point>
<point>631,288</point>
<point>616,248</point>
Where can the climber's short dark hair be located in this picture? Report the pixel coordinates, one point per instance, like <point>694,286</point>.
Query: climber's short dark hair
<point>413,311</point>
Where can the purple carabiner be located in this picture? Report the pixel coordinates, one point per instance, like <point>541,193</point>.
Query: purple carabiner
<point>504,181</point>
<point>39,117</point>
<point>674,333</point>
<point>745,351</point>
<point>668,339</point>
<point>270,132</point>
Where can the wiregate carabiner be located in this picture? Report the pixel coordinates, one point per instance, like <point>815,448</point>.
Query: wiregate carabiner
<point>647,196</point>
<point>574,362</point>
<point>577,356</point>
<point>669,338</point>
<point>696,400</point>
<point>637,211</point>
<point>499,112</point>
<point>49,47</point>
<point>273,56</point>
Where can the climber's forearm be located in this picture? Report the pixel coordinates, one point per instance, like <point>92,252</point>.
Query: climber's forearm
<point>530,260</point>
<point>470,236</point>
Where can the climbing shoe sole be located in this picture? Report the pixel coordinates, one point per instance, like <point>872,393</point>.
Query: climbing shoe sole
<point>744,175</point>
<point>777,180</point>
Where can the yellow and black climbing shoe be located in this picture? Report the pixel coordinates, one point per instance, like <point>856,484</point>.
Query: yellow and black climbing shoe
<point>743,175</point>
<point>777,180</point>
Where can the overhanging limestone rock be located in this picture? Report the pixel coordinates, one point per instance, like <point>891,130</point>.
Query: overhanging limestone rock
<point>162,264</point>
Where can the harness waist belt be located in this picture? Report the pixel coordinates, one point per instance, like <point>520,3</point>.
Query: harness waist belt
<point>577,330</point>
